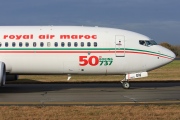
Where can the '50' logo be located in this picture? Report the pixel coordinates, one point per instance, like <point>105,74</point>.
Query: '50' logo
<point>93,60</point>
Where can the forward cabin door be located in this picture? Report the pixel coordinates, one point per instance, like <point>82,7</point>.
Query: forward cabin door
<point>120,46</point>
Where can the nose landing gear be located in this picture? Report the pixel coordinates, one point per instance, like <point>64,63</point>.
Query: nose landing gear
<point>125,83</point>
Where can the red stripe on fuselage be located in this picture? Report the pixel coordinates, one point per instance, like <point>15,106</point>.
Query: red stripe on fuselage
<point>129,52</point>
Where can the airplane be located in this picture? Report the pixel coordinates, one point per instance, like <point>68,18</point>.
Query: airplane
<point>39,50</point>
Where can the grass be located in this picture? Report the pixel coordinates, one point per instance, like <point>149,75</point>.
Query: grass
<point>142,112</point>
<point>165,73</point>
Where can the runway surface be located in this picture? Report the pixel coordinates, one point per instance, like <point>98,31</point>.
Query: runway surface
<point>89,94</point>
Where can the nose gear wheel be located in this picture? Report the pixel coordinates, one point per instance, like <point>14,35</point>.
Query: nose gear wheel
<point>125,83</point>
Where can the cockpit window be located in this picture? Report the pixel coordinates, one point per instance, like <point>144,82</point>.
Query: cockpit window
<point>142,42</point>
<point>153,42</point>
<point>147,42</point>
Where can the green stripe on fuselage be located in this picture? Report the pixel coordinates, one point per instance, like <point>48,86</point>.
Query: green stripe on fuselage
<point>129,49</point>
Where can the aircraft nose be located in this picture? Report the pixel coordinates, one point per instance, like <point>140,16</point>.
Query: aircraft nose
<point>173,55</point>
<point>170,54</point>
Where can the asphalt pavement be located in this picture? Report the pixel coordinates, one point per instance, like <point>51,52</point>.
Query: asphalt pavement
<point>90,94</point>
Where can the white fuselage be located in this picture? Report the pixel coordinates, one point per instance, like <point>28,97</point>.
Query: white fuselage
<point>47,50</point>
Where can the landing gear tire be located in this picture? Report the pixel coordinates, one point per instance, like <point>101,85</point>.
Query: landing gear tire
<point>125,84</point>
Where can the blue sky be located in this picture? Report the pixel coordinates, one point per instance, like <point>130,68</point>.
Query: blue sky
<point>158,19</point>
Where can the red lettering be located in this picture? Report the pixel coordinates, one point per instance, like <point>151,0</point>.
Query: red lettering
<point>18,37</point>
<point>87,36</point>
<point>93,60</point>
<point>31,36</point>
<point>74,37</point>
<point>64,36</point>
<point>52,36</point>
<point>11,36</point>
<point>83,60</point>
<point>41,36</point>
<point>47,36</point>
<point>94,36</point>
<point>5,36</point>
<point>80,36</point>
<point>25,36</point>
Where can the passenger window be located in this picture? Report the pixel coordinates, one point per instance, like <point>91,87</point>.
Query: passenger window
<point>27,44</point>
<point>95,44</point>
<point>82,44</point>
<point>69,44</point>
<point>88,44</point>
<point>13,44</point>
<point>48,44</point>
<point>6,44</point>
<point>34,44</point>
<point>75,44</point>
<point>56,44</point>
<point>41,44</point>
<point>62,44</point>
<point>20,44</point>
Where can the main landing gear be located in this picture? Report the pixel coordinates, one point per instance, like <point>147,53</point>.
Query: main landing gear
<point>125,83</point>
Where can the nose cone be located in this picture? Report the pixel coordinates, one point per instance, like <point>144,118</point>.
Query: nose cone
<point>172,55</point>
<point>164,57</point>
<point>169,54</point>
